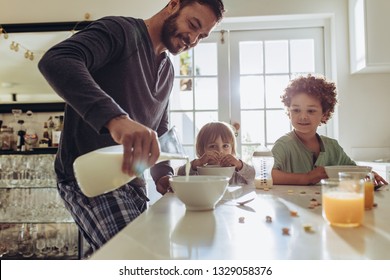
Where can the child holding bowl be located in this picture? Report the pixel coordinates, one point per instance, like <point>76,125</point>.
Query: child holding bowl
<point>216,145</point>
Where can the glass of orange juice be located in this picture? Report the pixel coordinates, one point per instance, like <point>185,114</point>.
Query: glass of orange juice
<point>343,202</point>
<point>368,178</point>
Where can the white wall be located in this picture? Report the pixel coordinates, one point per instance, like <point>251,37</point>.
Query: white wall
<point>364,98</point>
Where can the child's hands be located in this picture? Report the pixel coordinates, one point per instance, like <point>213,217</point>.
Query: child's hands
<point>230,160</point>
<point>379,180</point>
<point>209,157</point>
<point>163,185</point>
<point>316,175</point>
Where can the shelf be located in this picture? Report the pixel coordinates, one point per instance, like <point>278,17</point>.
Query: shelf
<point>34,205</point>
<point>35,151</point>
<point>2,187</point>
<point>48,241</point>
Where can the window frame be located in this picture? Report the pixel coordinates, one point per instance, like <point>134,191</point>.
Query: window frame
<point>227,84</point>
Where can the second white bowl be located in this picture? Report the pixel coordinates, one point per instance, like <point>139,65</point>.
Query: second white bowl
<point>216,170</point>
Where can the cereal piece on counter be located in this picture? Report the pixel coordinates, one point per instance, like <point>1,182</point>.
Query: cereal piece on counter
<point>375,204</point>
<point>293,213</point>
<point>310,207</point>
<point>308,228</point>
<point>286,231</point>
<point>266,189</point>
<point>268,219</point>
<point>313,202</point>
<point>302,192</point>
<point>241,220</point>
<point>317,192</point>
<point>290,191</point>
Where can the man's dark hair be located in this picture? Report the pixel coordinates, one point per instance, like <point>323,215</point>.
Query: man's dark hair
<point>216,5</point>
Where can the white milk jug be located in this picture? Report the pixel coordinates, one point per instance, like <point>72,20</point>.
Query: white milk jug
<point>100,171</point>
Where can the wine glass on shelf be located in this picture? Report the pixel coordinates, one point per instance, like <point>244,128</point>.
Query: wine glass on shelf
<point>3,241</point>
<point>29,171</point>
<point>17,114</point>
<point>40,245</point>
<point>14,175</point>
<point>60,244</point>
<point>45,165</point>
<point>26,241</point>
<point>71,242</point>
<point>40,242</point>
<point>12,237</point>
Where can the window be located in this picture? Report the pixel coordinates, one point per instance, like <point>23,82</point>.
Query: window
<point>262,63</point>
<point>239,76</point>
<point>195,95</point>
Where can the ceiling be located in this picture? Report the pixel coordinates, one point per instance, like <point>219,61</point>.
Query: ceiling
<point>21,48</point>
<point>19,75</point>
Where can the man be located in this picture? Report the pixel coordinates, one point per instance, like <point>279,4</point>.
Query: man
<point>115,77</point>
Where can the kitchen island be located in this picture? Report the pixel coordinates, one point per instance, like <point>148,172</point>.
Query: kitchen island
<point>283,222</point>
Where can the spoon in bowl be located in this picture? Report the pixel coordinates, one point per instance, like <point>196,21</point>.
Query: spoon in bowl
<point>242,203</point>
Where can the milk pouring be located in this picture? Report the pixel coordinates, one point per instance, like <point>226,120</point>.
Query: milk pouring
<point>263,162</point>
<point>100,171</point>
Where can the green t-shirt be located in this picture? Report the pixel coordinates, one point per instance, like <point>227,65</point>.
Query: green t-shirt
<point>292,156</point>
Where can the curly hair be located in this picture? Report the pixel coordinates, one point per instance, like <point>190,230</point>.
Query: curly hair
<point>314,86</point>
<point>210,132</point>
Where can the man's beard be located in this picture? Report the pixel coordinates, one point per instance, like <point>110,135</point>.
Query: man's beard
<point>169,32</point>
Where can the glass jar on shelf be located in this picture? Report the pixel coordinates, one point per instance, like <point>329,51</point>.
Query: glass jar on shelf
<point>31,136</point>
<point>17,114</point>
<point>7,141</point>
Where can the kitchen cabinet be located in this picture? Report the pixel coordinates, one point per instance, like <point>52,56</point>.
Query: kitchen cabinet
<point>369,21</point>
<point>34,223</point>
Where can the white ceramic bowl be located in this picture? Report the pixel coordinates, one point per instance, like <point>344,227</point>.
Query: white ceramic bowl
<point>199,192</point>
<point>216,170</point>
<point>333,171</point>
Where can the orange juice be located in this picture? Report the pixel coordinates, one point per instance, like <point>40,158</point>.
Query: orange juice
<point>368,194</point>
<point>344,209</point>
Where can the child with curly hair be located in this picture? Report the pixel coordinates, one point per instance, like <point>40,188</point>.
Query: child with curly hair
<point>216,145</point>
<point>300,155</point>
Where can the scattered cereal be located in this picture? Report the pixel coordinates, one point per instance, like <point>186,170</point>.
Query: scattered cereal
<point>375,204</point>
<point>268,219</point>
<point>266,189</point>
<point>286,231</point>
<point>317,192</point>
<point>241,220</point>
<point>294,213</point>
<point>310,207</point>
<point>302,192</point>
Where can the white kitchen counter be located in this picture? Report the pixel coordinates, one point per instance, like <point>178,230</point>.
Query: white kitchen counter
<point>167,231</point>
